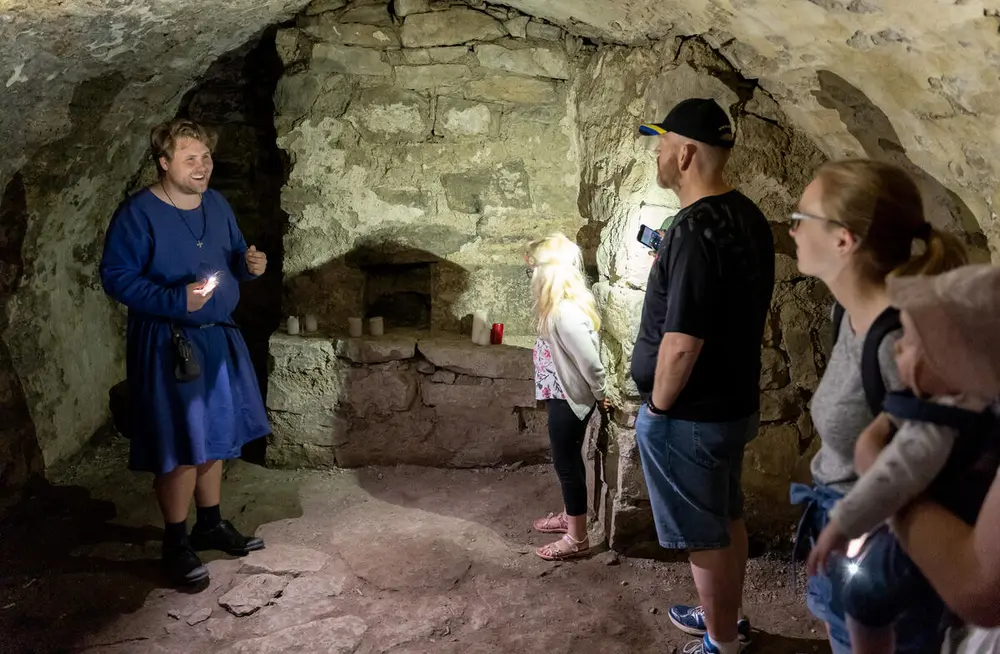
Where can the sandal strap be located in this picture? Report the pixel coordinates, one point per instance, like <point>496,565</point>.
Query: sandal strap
<point>560,520</point>
<point>565,547</point>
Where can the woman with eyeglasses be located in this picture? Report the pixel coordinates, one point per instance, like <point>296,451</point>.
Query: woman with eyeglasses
<point>859,222</point>
<point>569,378</point>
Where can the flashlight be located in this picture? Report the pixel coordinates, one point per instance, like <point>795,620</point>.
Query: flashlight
<point>209,285</point>
<point>853,548</point>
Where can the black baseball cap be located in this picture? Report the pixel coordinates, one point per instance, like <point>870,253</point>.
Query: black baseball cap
<point>701,119</point>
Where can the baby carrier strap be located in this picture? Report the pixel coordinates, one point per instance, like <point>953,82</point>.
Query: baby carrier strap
<point>907,406</point>
<point>871,370</point>
<point>972,466</point>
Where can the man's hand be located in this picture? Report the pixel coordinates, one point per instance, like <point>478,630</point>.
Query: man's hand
<point>662,233</point>
<point>197,297</point>
<point>830,541</point>
<point>674,363</point>
<point>256,261</point>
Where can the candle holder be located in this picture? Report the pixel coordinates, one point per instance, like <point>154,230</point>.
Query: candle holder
<point>376,326</point>
<point>292,325</point>
<point>480,328</point>
<point>354,327</point>
<point>311,326</point>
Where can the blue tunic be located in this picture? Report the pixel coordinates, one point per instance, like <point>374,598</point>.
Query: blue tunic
<point>150,256</point>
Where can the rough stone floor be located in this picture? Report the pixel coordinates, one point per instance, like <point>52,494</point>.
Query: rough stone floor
<point>399,560</point>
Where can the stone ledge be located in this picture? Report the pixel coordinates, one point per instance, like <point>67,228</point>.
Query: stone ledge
<point>376,349</point>
<point>466,358</point>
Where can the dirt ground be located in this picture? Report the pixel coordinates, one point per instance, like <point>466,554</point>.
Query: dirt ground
<point>401,560</point>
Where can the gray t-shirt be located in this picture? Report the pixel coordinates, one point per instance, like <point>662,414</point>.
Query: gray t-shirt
<point>839,409</point>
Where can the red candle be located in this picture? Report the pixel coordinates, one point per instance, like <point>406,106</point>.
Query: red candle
<point>496,333</point>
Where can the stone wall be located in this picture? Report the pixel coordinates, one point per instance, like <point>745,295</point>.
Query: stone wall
<point>84,82</point>
<point>429,135</point>
<point>402,399</point>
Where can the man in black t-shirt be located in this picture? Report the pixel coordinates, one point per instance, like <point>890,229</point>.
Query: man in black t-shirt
<point>696,364</point>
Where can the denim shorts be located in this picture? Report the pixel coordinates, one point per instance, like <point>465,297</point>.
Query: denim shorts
<point>823,600</point>
<point>693,472</point>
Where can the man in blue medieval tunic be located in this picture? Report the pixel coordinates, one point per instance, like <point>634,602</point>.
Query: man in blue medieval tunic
<point>175,257</point>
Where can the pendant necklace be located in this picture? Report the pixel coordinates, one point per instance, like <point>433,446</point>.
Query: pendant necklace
<point>204,224</point>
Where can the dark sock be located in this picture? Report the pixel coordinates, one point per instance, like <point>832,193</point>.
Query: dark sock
<point>174,533</point>
<point>208,516</point>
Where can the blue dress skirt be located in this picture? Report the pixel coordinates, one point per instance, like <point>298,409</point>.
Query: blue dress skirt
<point>151,253</point>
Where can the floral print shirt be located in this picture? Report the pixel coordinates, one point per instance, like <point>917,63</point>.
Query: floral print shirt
<point>547,386</point>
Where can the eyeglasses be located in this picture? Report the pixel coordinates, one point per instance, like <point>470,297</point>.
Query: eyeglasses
<point>799,216</point>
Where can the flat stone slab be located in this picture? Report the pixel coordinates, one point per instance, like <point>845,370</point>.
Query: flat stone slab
<point>538,62</point>
<point>467,358</point>
<point>312,352</point>
<point>407,561</point>
<point>311,589</point>
<point>253,594</point>
<point>284,560</point>
<point>199,616</point>
<point>450,27</point>
<point>330,636</point>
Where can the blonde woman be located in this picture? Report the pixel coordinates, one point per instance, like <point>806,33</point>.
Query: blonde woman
<point>569,377</point>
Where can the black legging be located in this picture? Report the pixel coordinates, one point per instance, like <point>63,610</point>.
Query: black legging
<point>566,434</point>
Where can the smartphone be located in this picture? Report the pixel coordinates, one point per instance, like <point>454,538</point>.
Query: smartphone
<point>649,237</point>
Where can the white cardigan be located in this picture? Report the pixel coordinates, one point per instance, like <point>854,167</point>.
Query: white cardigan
<point>576,353</point>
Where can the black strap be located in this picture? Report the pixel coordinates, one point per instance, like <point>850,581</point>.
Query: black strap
<point>871,371</point>
<point>906,406</point>
<point>837,316</point>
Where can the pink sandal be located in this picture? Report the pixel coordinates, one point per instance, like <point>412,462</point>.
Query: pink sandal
<point>564,549</point>
<point>552,524</point>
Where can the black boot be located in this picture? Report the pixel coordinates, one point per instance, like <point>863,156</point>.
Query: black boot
<point>182,565</point>
<point>224,537</point>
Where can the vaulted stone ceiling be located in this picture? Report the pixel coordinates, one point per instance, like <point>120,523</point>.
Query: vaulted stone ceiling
<point>72,65</point>
<point>913,79</point>
<point>900,79</point>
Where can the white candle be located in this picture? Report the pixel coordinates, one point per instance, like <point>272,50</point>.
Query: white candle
<point>311,324</point>
<point>376,326</point>
<point>480,326</point>
<point>293,325</point>
<point>354,327</point>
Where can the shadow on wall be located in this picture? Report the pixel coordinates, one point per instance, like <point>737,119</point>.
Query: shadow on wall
<point>409,287</point>
<point>20,455</point>
<point>873,129</point>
